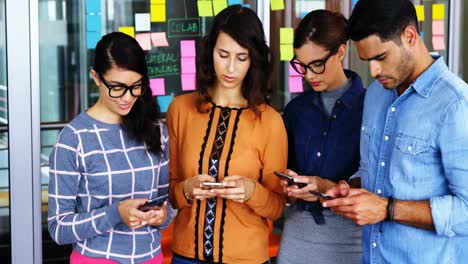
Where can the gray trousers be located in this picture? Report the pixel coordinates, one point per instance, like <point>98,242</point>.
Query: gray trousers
<point>303,241</point>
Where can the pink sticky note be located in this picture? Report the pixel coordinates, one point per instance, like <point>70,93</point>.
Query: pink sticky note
<point>188,65</point>
<point>159,39</point>
<point>144,39</point>
<point>157,86</point>
<point>295,84</point>
<point>293,72</point>
<point>438,42</point>
<point>187,48</point>
<point>438,27</point>
<point>188,82</point>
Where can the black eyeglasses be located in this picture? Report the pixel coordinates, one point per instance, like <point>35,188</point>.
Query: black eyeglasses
<point>119,90</point>
<point>316,66</point>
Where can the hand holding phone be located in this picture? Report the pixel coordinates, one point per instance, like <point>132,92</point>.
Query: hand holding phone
<point>154,203</point>
<point>289,179</point>
<point>322,195</point>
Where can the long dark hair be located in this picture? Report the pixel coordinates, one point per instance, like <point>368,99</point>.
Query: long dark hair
<point>322,27</point>
<point>142,122</point>
<point>243,25</point>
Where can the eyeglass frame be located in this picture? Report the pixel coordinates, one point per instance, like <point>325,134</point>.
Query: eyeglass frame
<point>293,62</point>
<point>131,87</point>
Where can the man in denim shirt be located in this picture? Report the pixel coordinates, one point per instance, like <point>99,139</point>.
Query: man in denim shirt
<point>414,145</point>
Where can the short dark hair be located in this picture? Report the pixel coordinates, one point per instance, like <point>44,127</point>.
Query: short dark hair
<point>120,50</point>
<point>244,26</point>
<point>323,27</point>
<point>385,18</point>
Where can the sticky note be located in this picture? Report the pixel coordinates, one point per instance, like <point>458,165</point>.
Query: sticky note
<point>158,2</point>
<point>355,2</point>
<point>421,34</point>
<point>128,30</point>
<point>277,4</point>
<point>205,8</point>
<point>158,13</point>
<point>144,39</point>
<point>188,82</point>
<point>164,102</point>
<point>295,84</point>
<point>286,52</point>
<point>159,39</point>
<point>246,5</point>
<point>438,27</point>
<point>218,6</point>
<point>235,2</point>
<point>438,42</point>
<point>157,86</point>
<point>438,11</point>
<point>419,12</point>
<point>187,48</point>
<point>93,7</point>
<point>92,38</point>
<point>142,22</point>
<point>303,14</point>
<point>286,35</point>
<point>188,65</point>
<point>293,72</point>
<point>93,23</point>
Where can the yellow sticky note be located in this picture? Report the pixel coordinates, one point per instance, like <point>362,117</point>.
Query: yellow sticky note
<point>438,11</point>
<point>286,35</point>
<point>286,52</point>
<point>128,30</point>
<point>218,6</point>
<point>158,13</point>
<point>158,2</point>
<point>420,12</point>
<point>277,4</point>
<point>205,8</point>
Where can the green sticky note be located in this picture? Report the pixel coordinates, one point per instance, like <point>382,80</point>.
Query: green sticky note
<point>158,13</point>
<point>286,52</point>
<point>218,6</point>
<point>286,35</point>
<point>205,8</point>
<point>128,30</point>
<point>277,4</point>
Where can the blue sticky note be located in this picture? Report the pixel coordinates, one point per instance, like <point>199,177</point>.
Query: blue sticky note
<point>93,23</point>
<point>93,6</point>
<point>421,34</point>
<point>163,102</point>
<point>303,14</point>
<point>234,2</point>
<point>355,2</point>
<point>92,38</point>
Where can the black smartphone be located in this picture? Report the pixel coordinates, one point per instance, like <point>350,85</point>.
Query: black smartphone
<point>154,203</point>
<point>322,195</point>
<point>289,179</point>
<point>213,185</point>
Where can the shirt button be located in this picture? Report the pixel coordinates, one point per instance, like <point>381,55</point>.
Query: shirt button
<point>382,164</point>
<point>334,117</point>
<point>319,154</point>
<point>374,245</point>
<point>386,138</point>
<point>325,133</point>
<point>338,101</point>
<point>409,148</point>
<point>379,191</point>
<point>393,109</point>
<point>363,128</point>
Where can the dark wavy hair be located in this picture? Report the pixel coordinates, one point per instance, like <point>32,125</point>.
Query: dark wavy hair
<point>142,122</point>
<point>243,25</point>
<point>324,28</point>
<point>387,19</point>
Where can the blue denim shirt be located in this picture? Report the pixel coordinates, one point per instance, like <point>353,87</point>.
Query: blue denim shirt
<point>325,146</point>
<point>415,147</point>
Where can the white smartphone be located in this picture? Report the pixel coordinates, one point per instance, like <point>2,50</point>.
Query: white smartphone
<point>213,185</point>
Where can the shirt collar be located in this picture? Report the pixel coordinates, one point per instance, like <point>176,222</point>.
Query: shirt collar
<point>424,83</point>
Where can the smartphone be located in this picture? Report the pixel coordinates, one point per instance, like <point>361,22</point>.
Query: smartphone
<point>289,179</point>
<point>154,203</point>
<point>322,195</point>
<point>213,185</point>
